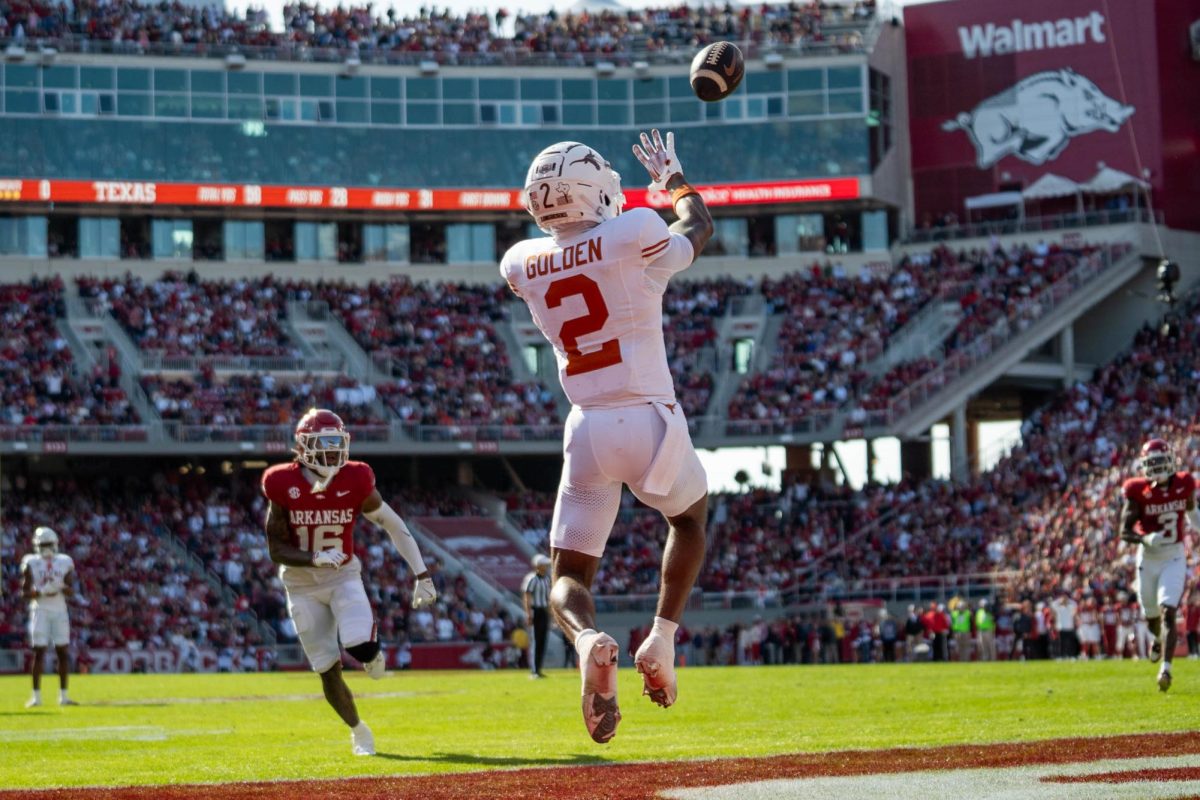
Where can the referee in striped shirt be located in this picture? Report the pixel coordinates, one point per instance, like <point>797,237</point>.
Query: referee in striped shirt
<point>536,587</point>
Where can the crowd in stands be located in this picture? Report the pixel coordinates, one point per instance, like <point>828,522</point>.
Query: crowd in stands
<point>132,590</point>
<point>182,315</point>
<point>439,341</point>
<point>452,38</point>
<point>38,381</point>
<point>259,399</point>
<point>832,325</point>
<point>835,324</point>
<point>136,589</point>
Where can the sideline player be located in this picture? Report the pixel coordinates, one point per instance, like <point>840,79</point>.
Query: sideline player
<point>1152,517</point>
<point>594,288</point>
<point>48,582</point>
<point>314,504</point>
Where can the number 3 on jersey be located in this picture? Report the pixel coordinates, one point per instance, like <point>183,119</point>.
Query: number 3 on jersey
<point>1170,526</point>
<point>572,330</point>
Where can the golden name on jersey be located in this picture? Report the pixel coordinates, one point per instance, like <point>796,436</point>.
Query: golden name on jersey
<point>323,516</point>
<point>563,259</point>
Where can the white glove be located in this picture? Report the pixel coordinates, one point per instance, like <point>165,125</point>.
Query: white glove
<point>329,558</point>
<point>659,159</point>
<point>1154,540</point>
<point>423,593</point>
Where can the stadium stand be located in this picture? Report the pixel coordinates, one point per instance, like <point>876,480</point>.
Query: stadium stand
<point>183,315</point>
<point>311,32</point>
<point>259,399</point>
<point>40,384</point>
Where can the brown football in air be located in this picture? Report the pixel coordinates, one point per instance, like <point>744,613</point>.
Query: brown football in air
<point>717,70</point>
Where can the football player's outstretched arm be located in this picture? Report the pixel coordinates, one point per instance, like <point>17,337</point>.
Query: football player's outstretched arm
<point>666,173</point>
<point>281,551</point>
<point>383,515</point>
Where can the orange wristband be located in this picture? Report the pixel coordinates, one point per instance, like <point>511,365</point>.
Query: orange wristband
<point>682,192</point>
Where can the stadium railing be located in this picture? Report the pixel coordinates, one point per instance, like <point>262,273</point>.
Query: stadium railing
<point>507,57</point>
<point>152,362</point>
<point>969,355</point>
<point>1052,222</point>
<point>916,589</point>
<point>74,433</point>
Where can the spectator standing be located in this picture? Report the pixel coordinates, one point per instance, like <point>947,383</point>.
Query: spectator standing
<point>888,633</point>
<point>1066,623</point>
<point>1023,632</point>
<point>1193,628</point>
<point>985,627</point>
<point>960,626</point>
<point>914,632</point>
<point>536,588</point>
<point>1108,627</point>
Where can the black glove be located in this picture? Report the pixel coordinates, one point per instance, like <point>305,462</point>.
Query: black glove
<point>1131,536</point>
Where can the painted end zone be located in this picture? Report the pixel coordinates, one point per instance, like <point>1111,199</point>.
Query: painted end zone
<point>1159,765</point>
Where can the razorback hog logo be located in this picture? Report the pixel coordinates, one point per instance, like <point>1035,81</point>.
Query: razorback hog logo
<point>1036,119</point>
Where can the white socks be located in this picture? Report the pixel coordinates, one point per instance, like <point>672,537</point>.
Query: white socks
<point>581,646</point>
<point>37,695</point>
<point>665,628</point>
<point>62,696</point>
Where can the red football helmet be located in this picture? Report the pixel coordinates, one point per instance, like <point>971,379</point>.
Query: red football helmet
<point>322,442</point>
<point>1157,462</point>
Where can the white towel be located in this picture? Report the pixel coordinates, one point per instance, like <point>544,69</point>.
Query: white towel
<point>664,469</point>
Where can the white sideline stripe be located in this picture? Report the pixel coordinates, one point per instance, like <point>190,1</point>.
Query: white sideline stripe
<point>121,733</point>
<point>712,75</point>
<point>1008,783</point>
<point>273,698</point>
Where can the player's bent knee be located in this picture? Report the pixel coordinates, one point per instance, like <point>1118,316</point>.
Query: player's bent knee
<point>364,652</point>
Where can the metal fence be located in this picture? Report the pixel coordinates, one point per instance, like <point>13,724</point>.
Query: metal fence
<point>849,39</point>
<point>1040,224</point>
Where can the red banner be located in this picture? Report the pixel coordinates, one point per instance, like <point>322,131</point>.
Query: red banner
<point>153,193</point>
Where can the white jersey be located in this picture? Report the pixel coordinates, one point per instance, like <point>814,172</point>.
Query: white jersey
<point>49,577</point>
<point>597,298</point>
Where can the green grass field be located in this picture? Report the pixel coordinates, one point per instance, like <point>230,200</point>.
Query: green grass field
<point>149,729</point>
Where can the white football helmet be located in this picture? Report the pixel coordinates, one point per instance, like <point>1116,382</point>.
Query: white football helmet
<point>570,182</point>
<point>45,541</point>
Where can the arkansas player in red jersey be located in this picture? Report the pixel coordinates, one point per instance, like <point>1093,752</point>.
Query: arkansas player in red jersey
<point>1153,517</point>
<point>314,504</point>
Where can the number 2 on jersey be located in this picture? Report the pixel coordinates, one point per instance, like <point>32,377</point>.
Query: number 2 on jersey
<point>609,353</point>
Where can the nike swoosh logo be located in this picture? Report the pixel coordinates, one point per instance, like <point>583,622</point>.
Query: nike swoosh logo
<point>729,71</point>
<point>343,494</point>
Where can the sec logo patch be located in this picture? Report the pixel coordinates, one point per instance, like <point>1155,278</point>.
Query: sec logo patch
<point>294,493</point>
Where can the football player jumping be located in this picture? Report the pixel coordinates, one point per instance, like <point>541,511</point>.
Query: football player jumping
<point>314,504</point>
<point>1152,517</point>
<point>594,287</point>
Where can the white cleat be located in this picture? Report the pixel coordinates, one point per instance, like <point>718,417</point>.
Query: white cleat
<point>599,670</point>
<point>362,740</point>
<point>655,660</point>
<point>33,702</point>
<point>1164,678</point>
<point>376,667</point>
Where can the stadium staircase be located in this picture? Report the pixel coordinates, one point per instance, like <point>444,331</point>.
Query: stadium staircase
<point>195,565</point>
<point>973,367</point>
<point>746,317</point>
<point>321,333</point>
<point>521,328</point>
<point>923,334</point>
<point>87,330</point>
